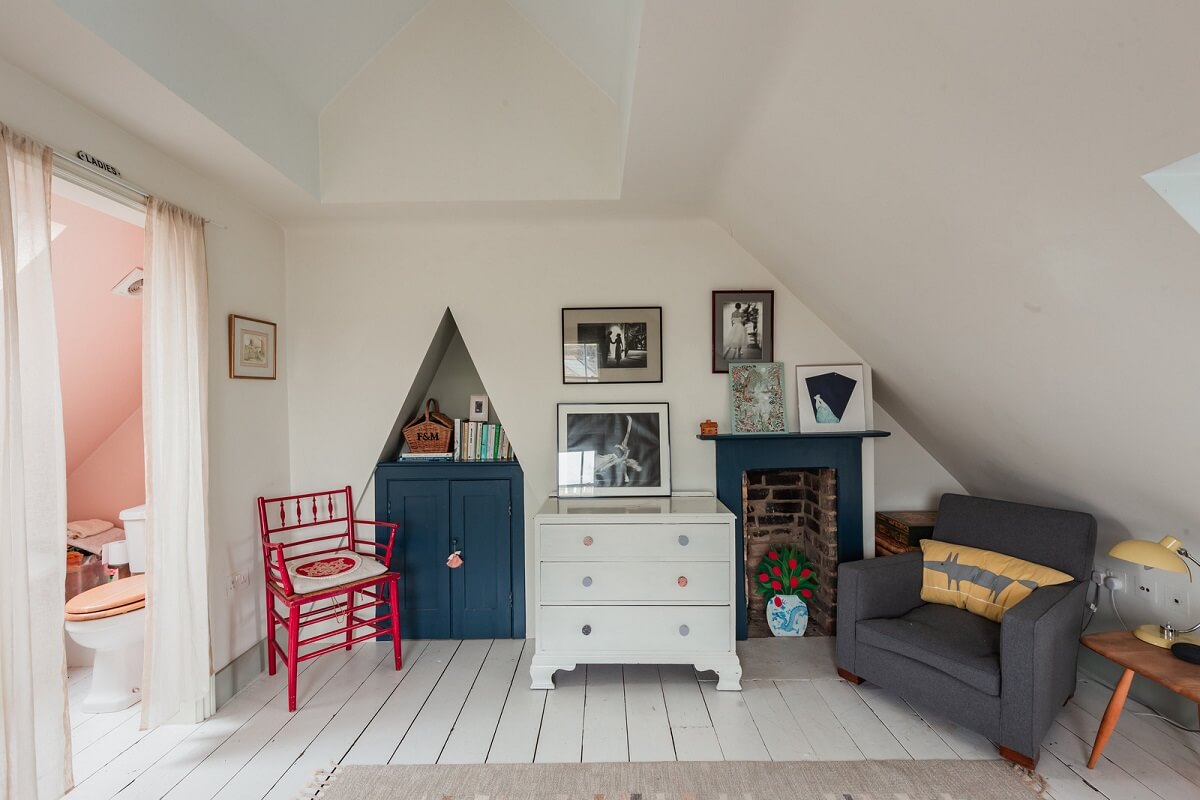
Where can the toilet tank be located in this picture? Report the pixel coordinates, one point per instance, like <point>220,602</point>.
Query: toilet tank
<point>133,520</point>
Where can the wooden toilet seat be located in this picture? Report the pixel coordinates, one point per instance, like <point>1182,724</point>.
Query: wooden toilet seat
<point>109,600</point>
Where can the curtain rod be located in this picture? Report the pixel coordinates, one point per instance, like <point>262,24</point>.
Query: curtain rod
<point>101,179</point>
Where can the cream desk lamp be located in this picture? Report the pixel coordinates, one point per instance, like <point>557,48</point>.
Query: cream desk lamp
<point>1168,553</point>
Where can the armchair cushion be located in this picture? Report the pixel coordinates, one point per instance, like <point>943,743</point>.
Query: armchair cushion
<point>951,640</point>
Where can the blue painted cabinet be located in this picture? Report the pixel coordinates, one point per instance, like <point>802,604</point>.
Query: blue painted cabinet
<point>476,509</point>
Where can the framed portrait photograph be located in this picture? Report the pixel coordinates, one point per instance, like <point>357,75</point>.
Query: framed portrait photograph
<point>479,408</point>
<point>614,450</point>
<point>756,392</point>
<point>612,345</point>
<point>252,348</point>
<point>743,327</point>
<point>831,398</point>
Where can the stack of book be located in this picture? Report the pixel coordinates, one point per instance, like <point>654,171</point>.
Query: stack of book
<point>480,441</point>
<point>902,531</point>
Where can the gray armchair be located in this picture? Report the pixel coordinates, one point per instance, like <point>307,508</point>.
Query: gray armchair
<point>1004,680</point>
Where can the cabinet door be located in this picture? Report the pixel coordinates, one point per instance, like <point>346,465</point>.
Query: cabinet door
<point>422,544</point>
<point>480,526</point>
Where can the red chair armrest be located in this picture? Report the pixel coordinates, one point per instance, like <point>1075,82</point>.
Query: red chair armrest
<point>283,578</point>
<point>386,557</point>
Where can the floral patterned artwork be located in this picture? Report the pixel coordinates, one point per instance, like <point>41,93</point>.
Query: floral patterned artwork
<point>757,391</point>
<point>327,567</point>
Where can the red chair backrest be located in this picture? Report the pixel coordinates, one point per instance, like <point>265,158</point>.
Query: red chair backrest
<point>331,510</point>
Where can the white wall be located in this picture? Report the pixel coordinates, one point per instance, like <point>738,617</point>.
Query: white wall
<point>907,478</point>
<point>247,419</point>
<point>366,297</point>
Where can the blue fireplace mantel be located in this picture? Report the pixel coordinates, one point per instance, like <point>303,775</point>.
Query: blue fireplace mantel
<point>737,453</point>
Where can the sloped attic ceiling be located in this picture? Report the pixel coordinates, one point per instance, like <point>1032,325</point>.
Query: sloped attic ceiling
<point>957,189</point>
<point>417,100</point>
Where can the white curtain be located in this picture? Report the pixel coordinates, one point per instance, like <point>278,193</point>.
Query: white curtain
<point>35,731</point>
<point>175,682</point>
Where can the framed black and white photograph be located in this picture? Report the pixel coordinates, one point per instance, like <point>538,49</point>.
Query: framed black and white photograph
<point>743,327</point>
<point>831,398</point>
<point>612,345</point>
<point>614,450</point>
<point>479,408</point>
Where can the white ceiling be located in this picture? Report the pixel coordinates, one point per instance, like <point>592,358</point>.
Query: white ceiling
<point>314,47</point>
<point>266,71</point>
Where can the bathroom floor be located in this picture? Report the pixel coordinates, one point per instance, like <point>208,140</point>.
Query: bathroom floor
<point>468,702</point>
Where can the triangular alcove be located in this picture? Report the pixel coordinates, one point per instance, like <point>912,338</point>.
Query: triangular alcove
<point>447,374</point>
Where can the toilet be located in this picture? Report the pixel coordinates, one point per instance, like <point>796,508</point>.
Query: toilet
<point>111,620</point>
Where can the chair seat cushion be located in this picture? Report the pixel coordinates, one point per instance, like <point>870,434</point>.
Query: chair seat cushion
<point>328,571</point>
<point>961,644</point>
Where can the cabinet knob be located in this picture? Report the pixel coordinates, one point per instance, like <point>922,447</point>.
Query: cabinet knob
<point>682,581</point>
<point>684,630</point>
<point>587,541</point>
<point>587,580</point>
<point>683,539</point>
<point>587,630</point>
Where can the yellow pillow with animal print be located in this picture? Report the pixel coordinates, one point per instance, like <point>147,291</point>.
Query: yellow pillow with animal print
<point>982,582</point>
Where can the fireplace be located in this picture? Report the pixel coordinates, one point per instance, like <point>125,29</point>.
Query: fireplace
<point>794,508</point>
<point>841,452</point>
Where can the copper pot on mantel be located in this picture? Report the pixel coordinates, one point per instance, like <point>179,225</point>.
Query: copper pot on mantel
<point>708,428</point>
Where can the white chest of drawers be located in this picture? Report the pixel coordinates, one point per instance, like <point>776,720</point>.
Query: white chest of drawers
<point>635,581</point>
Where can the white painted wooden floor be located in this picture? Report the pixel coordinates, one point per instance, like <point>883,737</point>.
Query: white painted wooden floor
<point>468,702</point>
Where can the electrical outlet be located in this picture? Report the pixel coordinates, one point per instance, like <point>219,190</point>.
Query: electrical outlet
<point>1177,601</point>
<point>1146,590</point>
<point>1115,580</point>
<point>237,581</point>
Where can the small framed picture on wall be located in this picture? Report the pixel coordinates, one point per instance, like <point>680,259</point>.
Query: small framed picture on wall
<point>743,327</point>
<point>252,348</point>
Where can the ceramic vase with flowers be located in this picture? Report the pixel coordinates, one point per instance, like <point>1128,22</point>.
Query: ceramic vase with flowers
<point>786,578</point>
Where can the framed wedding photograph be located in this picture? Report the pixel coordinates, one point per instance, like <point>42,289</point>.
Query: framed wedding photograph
<point>252,348</point>
<point>743,327</point>
<point>757,397</point>
<point>831,398</point>
<point>612,345</point>
<point>614,450</point>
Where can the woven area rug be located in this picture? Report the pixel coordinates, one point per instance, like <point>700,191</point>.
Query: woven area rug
<point>744,780</point>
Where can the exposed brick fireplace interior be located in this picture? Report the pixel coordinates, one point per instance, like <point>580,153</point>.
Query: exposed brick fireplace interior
<point>797,508</point>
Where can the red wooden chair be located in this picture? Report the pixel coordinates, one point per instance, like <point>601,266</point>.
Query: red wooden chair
<point>335,565</point>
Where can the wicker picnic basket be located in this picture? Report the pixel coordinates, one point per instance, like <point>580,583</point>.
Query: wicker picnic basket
<point>431,432</point>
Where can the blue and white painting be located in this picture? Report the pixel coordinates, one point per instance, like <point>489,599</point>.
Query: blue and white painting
<point>831,398</point>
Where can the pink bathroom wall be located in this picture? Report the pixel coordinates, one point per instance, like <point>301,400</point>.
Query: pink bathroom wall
<point>112,478</point>
<point>99,343</point>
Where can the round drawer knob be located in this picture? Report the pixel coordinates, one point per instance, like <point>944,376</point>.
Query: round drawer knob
<point>682,581</point>
<point>587,580</point>
<point>587,630</point>
<point>587,541</point>
<point>683,539</point>
<point>684,630</point>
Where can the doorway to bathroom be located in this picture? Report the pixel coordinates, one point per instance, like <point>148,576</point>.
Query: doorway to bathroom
<point>96,253</point>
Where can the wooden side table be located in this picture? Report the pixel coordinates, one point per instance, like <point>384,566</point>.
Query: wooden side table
<point>1136,656</point>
